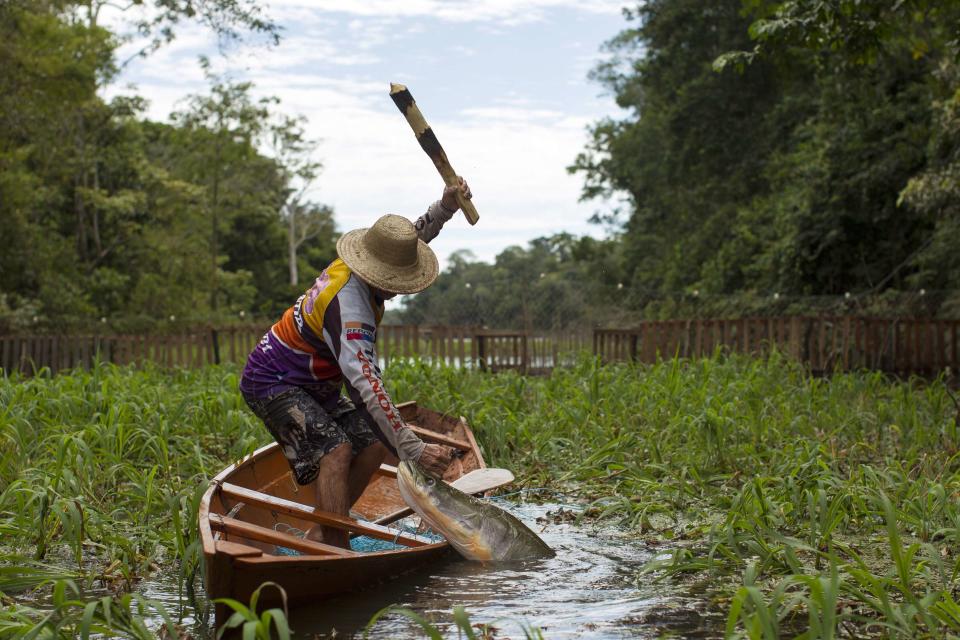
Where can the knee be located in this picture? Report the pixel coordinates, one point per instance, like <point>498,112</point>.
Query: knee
<point>377,448</point>
<point>339,456</point>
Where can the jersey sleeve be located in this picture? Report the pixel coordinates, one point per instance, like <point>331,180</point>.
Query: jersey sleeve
<point>350,331</point>
<point>429,224</point>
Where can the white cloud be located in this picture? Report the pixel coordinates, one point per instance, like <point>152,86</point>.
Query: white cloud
<point>509,12</point>
<point>513,147</point>
<point>512,114</point>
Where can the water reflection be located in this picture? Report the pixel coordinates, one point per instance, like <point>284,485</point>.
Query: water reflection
<point>587,590</point>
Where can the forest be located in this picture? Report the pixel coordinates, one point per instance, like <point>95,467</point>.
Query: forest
<point>775,157</point>
<point>771,157</point>
<point>109,216</point>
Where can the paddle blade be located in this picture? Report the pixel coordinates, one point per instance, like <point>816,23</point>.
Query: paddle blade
<point>482,480</point>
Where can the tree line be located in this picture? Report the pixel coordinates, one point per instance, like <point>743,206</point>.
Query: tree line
<point>794,156</point>
<point>772,157</point>
<point>107,215</point>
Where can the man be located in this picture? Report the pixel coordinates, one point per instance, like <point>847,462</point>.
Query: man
<point>327,339</point>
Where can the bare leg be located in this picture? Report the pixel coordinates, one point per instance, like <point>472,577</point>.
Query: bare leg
<point>364,466</point>
<point>333,494</point>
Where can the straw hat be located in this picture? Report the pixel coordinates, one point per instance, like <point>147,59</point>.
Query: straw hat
<point>389,256</point>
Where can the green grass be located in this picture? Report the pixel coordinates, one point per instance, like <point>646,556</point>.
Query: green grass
<point>818,508</point>
<point>813,506</point>
<point>101,473</point>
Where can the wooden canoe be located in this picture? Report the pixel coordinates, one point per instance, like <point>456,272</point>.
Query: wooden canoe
<point>250,506</point>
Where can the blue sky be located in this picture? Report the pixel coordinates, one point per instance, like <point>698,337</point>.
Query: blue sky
<point>502,82</point>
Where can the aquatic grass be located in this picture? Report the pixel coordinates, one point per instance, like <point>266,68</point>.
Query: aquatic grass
<point>840,492</point>
<point>68,616</point>
<point>838,495</point>
<point>102,471</point>
<point>254,626</point>
<point>22,574</point>
<point>464,627</point>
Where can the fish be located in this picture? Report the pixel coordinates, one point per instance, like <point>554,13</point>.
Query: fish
<point>478,530</point>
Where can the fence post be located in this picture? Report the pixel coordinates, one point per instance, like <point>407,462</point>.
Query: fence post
<point>940,358</point>
<point>215,343</point>
<point>481,350</point>
<point>955,363</point>
<point>524,364</point>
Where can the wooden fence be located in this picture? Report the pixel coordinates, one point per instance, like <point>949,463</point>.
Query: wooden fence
<point>29,354</point>
<point>455,346</point>
<point>901,346</point>
<point>895,345</point>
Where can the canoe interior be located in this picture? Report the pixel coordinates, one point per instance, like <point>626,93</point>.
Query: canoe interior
<point>269,473</point>
<point>241,539</point>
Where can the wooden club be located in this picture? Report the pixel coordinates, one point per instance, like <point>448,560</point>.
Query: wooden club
<point>429,143</point>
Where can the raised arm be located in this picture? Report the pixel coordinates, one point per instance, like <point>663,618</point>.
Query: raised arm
<point>429,224</point>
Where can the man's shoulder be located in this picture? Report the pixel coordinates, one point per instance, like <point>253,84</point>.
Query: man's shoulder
<point>337,273</point>
<point>354,298</point>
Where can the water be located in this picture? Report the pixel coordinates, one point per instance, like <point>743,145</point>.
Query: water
<point>589,590</point>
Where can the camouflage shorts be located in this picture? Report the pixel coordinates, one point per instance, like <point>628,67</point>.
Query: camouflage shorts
<point>306,431</point>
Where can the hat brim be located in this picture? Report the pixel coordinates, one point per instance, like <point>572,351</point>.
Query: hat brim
<point>387,277</point>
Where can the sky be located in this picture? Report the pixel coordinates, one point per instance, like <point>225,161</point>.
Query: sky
<point>503,83</point>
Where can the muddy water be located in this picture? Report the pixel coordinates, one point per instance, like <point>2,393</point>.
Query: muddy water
<point>589,590</point>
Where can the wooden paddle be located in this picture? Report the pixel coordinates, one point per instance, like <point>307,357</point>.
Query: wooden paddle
<point>482,480</point>
<point>476,482</point>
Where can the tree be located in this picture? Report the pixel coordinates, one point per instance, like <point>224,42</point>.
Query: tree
<point>49,73</point>
<point>769,144</point>
<point>888,72</point>
<point>557,282</point>
<point>225,127</point>
<point>694,144</point>
<point>111,215</point>
<point>305,221</point>
<point>157,20</point>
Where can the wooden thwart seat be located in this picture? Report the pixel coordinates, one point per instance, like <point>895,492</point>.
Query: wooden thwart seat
<point>387,470</point>
<point>232,526</point>
<point>280,505</point>
<point>433,436</point>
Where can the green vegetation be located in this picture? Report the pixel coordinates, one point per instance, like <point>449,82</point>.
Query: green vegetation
<point>804,154</point>
<point>68,616</point>
<point>833,501</point>
<point>800,503</point>
<point>461,620</point>
<point>805,149</point>
<point>101,473</point>
<point>111,215</point>
<point>252,625</point>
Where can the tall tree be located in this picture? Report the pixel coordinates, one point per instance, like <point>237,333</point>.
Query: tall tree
<point>887,82</point>
<point>106,208</point>
<point>155,22</point>
<point>294,154</point>
<point>227,123</point>
<point>769,143</point>
<point>695,142</point>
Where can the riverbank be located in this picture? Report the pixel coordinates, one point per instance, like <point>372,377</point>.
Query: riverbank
<point>782,502</point>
